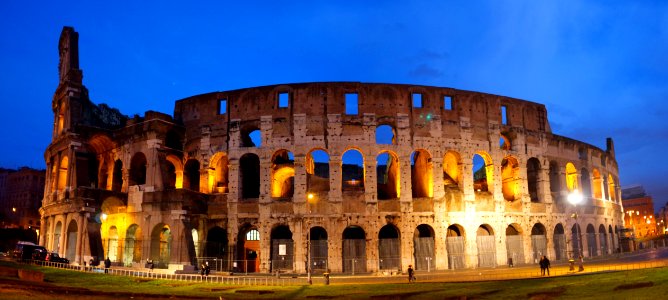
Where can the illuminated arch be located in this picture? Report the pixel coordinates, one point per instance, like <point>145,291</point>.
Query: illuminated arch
<point>612,188</point>
<point>388,172</point>
<point>597,184</point>
<point>174,173</point>
<point>422,178</point>
<point>504,142</point>
<point>452,166</point>
<point>571,177</point>
<point>133,245</point>
<point>510,178</point>
<point>352,170</point>
<point>483,171</point>
<point>282,174</point>
<point>317,171</point>
<point>62,173</point>
<point>218,181</point>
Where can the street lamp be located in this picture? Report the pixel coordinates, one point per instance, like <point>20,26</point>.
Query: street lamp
<point>309,197</point>
<point>575,198</point>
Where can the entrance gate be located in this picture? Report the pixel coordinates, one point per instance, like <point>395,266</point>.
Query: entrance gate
<point>455,247</point>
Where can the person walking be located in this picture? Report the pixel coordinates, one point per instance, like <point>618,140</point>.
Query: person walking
<point>207,269</point>
<point>546,264</point>
<point>107,265</point>
<point>202,269</point>
<point>411,274</point>
<point>541,263</point>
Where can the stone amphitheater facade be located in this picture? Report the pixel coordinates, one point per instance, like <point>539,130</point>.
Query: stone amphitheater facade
<point>366,177</point>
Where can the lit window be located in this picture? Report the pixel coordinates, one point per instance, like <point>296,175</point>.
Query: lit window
<point>447,102</point>
<point>351,103</point>
<point>417,100</point>
<point>504,115</point>
<point>253,235</point>
<point>283,100</point>
<point>222,106</point>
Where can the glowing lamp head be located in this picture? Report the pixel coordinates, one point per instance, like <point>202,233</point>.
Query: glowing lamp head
<point>310,196</point>
<point>575,197</point>
<point>103,217</point>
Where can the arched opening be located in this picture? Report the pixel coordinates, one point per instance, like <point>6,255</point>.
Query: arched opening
<point>389,248</point>
<point>251,137</point>
<point>597,184</point>
<point>576,241</point>
<point>385,135</point>
<point>282,174</point>
<point>451,170</point>
<point>317,171</point>
<point>455,244</point>
<point>133,245</point>
<point>483,172</point>
<point>586,184</point>
<point>533,178</point>
<point>195,235</point>
<point>555,183</point>
<point>591,241</point>
<point>117,176</point>
<point>354,250</point>
<point>103,175</point>
<point>219,164</point>
<point>538,241</point>
<point>510,178</point>
<point>138,169</point>
<point>249,176</point>
<point>174,175</point>
<point>248,250</point>
<point>318,250</point>
<point>191,176</point>
<point>422,178</point>
<point>603,240</point>
<point>504,142</point>
<point>612,189</point>
<point>387,170</point>
<point>423,240</point>
<point>514,245</point>
<point>161,240</point>
<point>56,237</point>
<point>217,245</point>
<point>571,177</point>
<point>62,173</point>
<point>282,248</point>
<point>112,244</point>
<point>613,241</point>
<point>560,246</point>
<point>71,245</point>
<point>352,171</point>
<point>486,246</point>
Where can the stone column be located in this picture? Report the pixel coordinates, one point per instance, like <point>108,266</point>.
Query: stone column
<point>78,258</point>
<point>43,231</point>
<point>299,194</point>
<point>335,178</point>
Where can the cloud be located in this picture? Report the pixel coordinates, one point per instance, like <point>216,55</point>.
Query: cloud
<point>425,71</point>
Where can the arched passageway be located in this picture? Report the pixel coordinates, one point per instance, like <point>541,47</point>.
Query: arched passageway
<point>455,244</point>
<point>423,240</point>
<point>354,250</point>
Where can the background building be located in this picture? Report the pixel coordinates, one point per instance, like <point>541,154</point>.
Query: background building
<point>639,211</point>
<point>21,193</point>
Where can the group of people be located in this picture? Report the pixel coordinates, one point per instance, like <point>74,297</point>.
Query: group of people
<point>544,264</point>
<point>205,269</point>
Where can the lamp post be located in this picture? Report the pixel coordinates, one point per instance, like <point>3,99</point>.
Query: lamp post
<point>574,198</point>
<point>309,197</point>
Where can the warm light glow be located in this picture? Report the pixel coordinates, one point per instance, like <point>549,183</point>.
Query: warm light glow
<point>310,196</point>
<point>103,216</point>
<point>280,180</point>
<point>571,177</point>
<point>14,209</point>
<point>575,197</point>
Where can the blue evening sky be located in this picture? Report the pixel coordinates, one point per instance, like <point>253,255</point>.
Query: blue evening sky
<point>600,67</point>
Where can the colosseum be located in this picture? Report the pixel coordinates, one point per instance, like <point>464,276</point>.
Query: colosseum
<point>348,177</point>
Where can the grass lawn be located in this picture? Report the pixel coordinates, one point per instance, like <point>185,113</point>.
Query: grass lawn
<point>638,284</point>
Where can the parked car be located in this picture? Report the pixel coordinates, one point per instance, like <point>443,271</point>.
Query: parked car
<point>25,250</point>
<point>39,254</point>
<point>54,257</point>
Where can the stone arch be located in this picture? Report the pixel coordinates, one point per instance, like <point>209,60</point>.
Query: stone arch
<point>591,240</point>
<point>317,171</point>
<point>112,205</point>
<point>538,241</point>
<point>386,135</point>
<point>424,242</point>
<point>504,142</point>
<point>560,245</point>
<point>389,248</point>
<point>251,136</point>
<point>133,245</point>
<point>354,250</point>
<point>138,165</point>
<point>248,249</point>
<point>597,184</point>
<point>220,167</point>
<point>533,179</point>
<point>612,190</point>
<point>191,175</point>
<point>515,244</point>
<point>249,176</point>
<point>510,178</point>
<point>71,240</point>
<point>603,240</point>
<point>555,182</point>
<point>57,231</point>
<point>613,242</point>
<point>571,177</point>
<point>282,248</point>
<point>486,246</point>
<point>452,169</point>
<point>483,171</point>
<point>585,184</point>
<point>117,176</point>
<point>422,178</point>
<point>282,174</point>
<point>388,172</point>
<point>319,249</point>
<point>161,242</point>
<point>352,170</point>
<point>111,245</point>
<point>455,242</point>
<point>217,243</point>
<point>62,173</point>
<point>174,174</point>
